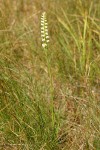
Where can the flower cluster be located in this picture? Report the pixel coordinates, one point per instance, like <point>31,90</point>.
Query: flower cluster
<point>44,30</point>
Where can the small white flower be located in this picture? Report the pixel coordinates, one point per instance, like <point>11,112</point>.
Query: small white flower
<point>43,40</point>
<point>44,45</point>
<point>46,30</point>
<point>42,21</point>
<point>46,27</point>
<point>46,23</point>
<point>42,35</point>
<point>42,31</point>
<point>42,28</point>
<point>47,41</point>
<point>42,24</point>
<point>46,33</point>
<point>47,37</point>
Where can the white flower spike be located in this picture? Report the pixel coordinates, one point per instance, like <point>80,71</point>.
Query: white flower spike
<point>44,30</point>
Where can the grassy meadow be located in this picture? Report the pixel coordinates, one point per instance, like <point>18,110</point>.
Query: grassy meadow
<point>50,98</point>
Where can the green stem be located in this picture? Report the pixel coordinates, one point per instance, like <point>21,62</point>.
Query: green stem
<point>51,85</point>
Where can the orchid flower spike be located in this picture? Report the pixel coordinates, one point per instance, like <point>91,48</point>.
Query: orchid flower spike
<point>44,30</point>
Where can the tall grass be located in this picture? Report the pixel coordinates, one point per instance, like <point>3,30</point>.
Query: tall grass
<point>50,100</point>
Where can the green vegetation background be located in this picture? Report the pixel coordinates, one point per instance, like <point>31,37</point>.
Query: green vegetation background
<point>50,101</point>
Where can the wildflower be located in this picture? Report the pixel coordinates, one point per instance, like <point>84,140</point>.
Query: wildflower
<point>44,30</point>
<point>44,45</point>
<point>47,41</point>
<point>43,40</point>
<point>47,37</point>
